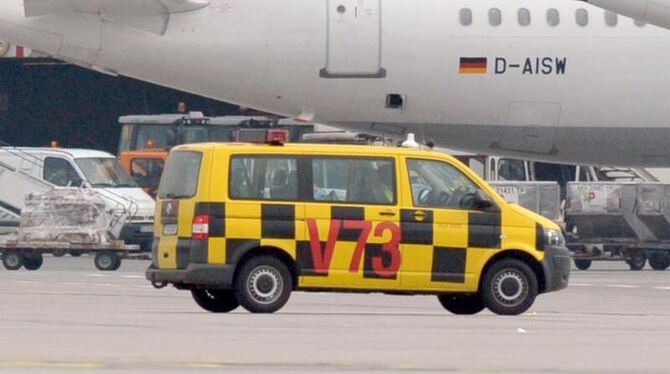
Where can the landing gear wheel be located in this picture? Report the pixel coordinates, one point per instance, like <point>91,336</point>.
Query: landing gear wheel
<point>263,284</point>
<point>637,259</point>
<point>462,304</point>
<point>33,262</point>
<point>659,261</point>
<point>12,260</point>
<point>107,261</point>
<point>215,301</point>
<point>76,253</point>
<point>509,287</point>
<point>583,264</point>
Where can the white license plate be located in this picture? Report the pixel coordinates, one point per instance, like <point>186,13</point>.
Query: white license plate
<point>170,230</point>
<point>146,228</point>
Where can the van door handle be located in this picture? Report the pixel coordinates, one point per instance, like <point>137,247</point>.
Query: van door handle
<point>387,213</point>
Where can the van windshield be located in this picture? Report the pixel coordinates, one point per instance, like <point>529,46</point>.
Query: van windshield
<point>105,172</point>
<point>180,178</point>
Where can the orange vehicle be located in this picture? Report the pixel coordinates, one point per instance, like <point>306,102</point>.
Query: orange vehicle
<point>147,139</point>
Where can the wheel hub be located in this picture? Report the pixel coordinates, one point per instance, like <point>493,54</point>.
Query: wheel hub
<point>105,261</point>
<point>265,284</point>
<point>510,287</point>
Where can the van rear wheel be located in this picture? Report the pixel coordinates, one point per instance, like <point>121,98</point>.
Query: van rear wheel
<point>462,304</point>
<point>215,301</point>
<point>263,284</point>
<point>509,287</point>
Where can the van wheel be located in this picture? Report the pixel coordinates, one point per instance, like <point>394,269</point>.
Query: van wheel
<point>263,284</point>
<point>107,261</point>
<point>12,260</point>
<point>215,301</point>
<point>33,262</point>
<point>583,264</point>
<point>509,287</point>
<point>462,304</point>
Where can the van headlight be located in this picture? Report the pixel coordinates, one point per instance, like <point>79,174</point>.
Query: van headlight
<point>554,238</point>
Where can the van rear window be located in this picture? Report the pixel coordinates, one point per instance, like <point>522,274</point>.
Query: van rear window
<point>180,178</point>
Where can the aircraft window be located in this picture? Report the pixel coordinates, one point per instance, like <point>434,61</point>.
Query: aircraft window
<point>611,18</point>
<point>524,17</point>
<point>466,17</point>
<point>639,23</point>
<point>495,17</point>
<point>582,17</point>
<point>553,17</point>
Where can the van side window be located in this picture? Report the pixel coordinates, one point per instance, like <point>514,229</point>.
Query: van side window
<point>436,184</point>
<point>263,178</point>
<point>354,180</point>
<point>60,172</point>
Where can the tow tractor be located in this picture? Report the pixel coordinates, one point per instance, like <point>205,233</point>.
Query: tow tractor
<point>146,140</point>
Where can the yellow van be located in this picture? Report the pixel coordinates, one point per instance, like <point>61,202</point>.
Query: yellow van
<point>247,224</point>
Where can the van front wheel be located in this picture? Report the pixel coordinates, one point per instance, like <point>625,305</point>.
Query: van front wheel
<point>509,287</point>
<point>263,284</point>
<point>215,301</point>
<point>462,304</point>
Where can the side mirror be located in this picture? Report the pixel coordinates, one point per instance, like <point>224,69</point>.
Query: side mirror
<point>482,201</point>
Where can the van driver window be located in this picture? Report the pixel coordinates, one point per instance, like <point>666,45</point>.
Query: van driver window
<point>439,185</point>
<point>60,172</point>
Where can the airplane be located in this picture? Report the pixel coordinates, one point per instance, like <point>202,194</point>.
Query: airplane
<point>551,80</point>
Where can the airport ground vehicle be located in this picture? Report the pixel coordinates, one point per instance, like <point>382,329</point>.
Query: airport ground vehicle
<point>147,139</point>
<point>246,224</point>
<point>25,170</point>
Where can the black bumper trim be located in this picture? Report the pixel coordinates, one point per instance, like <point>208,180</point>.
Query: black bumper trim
<point>556,265</point>
<point>201,275</point>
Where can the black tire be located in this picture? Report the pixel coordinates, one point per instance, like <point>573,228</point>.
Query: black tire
<point>509,287</point>
<point>636,260</point>
<point>58,253</point>
<point>33,262</point>
<point>107,261</point>
<point>583,264</point>
<point>659,261</point>
<point>462,304</point>
<point>12,260</point>
<point>76,253</point>
<point>215,301</point>
<point>263,284</point>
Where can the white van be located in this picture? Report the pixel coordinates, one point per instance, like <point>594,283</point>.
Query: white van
<point>24,170</point>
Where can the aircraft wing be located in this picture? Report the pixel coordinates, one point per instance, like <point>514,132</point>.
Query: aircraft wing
<point>655,12</point>
<point>148,15</point>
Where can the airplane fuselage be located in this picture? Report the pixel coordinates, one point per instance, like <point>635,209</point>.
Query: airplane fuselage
<point>589,94</point>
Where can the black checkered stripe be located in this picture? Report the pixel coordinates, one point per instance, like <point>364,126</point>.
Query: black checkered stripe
<point>278,222</point>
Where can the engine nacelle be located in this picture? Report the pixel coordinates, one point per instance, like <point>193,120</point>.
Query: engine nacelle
<point>655,12</point>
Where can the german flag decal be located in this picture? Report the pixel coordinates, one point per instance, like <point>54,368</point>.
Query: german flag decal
<point>472,65</point>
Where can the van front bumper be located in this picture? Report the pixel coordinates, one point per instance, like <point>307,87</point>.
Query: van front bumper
<point>195,275</point>
<point>556,266</point>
